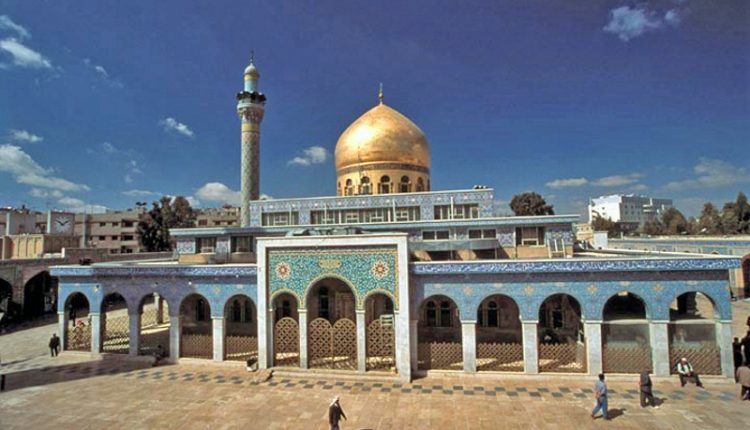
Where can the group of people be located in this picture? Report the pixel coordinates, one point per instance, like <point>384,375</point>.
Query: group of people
<point>741,352</point>
<point>685,371</point>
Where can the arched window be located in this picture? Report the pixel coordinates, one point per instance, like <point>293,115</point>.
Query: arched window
<point>200,310</point>
<point>445,314</point>
<point>385,185</point>
<point>404,186</point>
<point>323,308</point>
<point>366,187</point>
<point>431,314</point>
<point>388,306</point>
<point>420,185</point>
<point>248,311</point>
<point>349,188</point>
<point>338,189</point>
<point>286,309</point>
<point>236,311</point>
<point>492,315</point>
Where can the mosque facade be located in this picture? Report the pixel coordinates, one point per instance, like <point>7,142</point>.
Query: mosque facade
<point>390,276</point>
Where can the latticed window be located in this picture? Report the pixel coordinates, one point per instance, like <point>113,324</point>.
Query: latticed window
<point>349,191</point>
<point>420,185</point>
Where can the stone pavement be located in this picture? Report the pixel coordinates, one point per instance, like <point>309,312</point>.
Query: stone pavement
<point>77,390</point>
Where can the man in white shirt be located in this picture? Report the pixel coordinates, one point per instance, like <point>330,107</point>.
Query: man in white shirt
<point>685,370</point>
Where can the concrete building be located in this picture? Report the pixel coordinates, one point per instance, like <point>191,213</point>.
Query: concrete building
<point>628,209</point>
<point>380,277</point>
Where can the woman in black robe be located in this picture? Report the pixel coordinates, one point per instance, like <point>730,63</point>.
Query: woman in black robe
<point>647,395</point>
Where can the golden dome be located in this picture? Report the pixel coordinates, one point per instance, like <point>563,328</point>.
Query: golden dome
<point>382,135</point>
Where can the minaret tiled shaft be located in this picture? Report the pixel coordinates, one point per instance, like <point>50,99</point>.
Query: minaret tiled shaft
<point>250,108</point>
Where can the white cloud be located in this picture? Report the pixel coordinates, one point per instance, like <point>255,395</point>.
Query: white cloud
<point>311,155</point>
<point>617,180</point>
<point>711,173</point>
<point>607,181</point>
<point>673,17</point>
<point>566,183</point>
<point>128,178</point>
<point>71,201</point>
<point>44,194</point>
<point>23,56</point>
<point>109,148</point>
<point>103,74</point>
<point>216,192</point>
<point>7,24</point>
<point>629,22</point>
<point>25,136</point>
<point>79,206</point>
<point>140,193</point>
<point>25,170</point>
<point>171,124</point>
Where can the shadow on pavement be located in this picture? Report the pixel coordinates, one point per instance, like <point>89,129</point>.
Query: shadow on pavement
<point>108,365</point>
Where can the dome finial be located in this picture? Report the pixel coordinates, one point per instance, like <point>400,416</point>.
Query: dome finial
<point>380,94</point>
<point>252,56</point>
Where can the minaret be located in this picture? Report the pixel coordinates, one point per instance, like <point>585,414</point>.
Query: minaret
<point>250,107</point>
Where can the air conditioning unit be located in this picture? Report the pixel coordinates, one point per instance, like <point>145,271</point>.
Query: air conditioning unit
<point>207,250</point>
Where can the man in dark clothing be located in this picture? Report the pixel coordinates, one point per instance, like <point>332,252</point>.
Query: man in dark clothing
<point>737,353</point>
<point>54,345</point>
<point>647,395</point>
<point>743,378</point>
<point>335,413</point>
<point>746,347</point>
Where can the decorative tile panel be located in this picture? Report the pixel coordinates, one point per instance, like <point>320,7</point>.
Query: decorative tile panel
<point>186,246</point>
<point>364,269</point>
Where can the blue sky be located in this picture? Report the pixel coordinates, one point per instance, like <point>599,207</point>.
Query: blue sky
<point>105,103</point>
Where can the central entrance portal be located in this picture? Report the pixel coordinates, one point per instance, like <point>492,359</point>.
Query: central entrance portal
<point>332,332</point>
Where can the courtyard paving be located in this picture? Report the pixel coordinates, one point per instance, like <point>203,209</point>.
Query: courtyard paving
<point>79,391</point>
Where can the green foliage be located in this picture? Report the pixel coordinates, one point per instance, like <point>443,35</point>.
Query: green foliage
<point>613,229</point>
<point>153,229</point>
<point>530,204</point>
<point>709,221</point>
<point>674,222</point>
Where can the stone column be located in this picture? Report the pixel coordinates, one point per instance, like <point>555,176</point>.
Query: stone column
<point>413,348</point>
<point>361,341</point>
<point>134,333</point>
<point>659,335</point>
<point>175,327</point>
<point>265,339</point>
<point>159,303</point>
<point>62,327</point>
<point>593,332</point>
<point>469,342</point>
<point>724,341</point>
<point>96,332</point>
<point>302,338</point>
<point>219,324</point>
<point>530,347</point>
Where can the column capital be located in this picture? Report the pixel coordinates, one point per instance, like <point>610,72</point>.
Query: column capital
<point>467,322</point>
<point>659,321</point>
<point>218,317</point>
<point>359,311</point>
<point>302,311</point>
<point>600,322</point>
<point>95,314</point>
<point>529,321</point>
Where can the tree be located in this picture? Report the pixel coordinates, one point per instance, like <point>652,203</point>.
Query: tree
<point>730,219</point>
<point>654,227</point>
<point>613,229</point>
<point>709,221</point>
<point>674,222</point>
<point>153,229</point>
<point>743,213</point>
<point>530,204</point>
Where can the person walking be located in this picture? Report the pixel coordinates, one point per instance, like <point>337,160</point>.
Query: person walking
<point>54,345</point>
<point>743,378</point>
<point>647,394</point>
<point>335,413</point>
<point>685,370</point>
<point>600,391</point>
